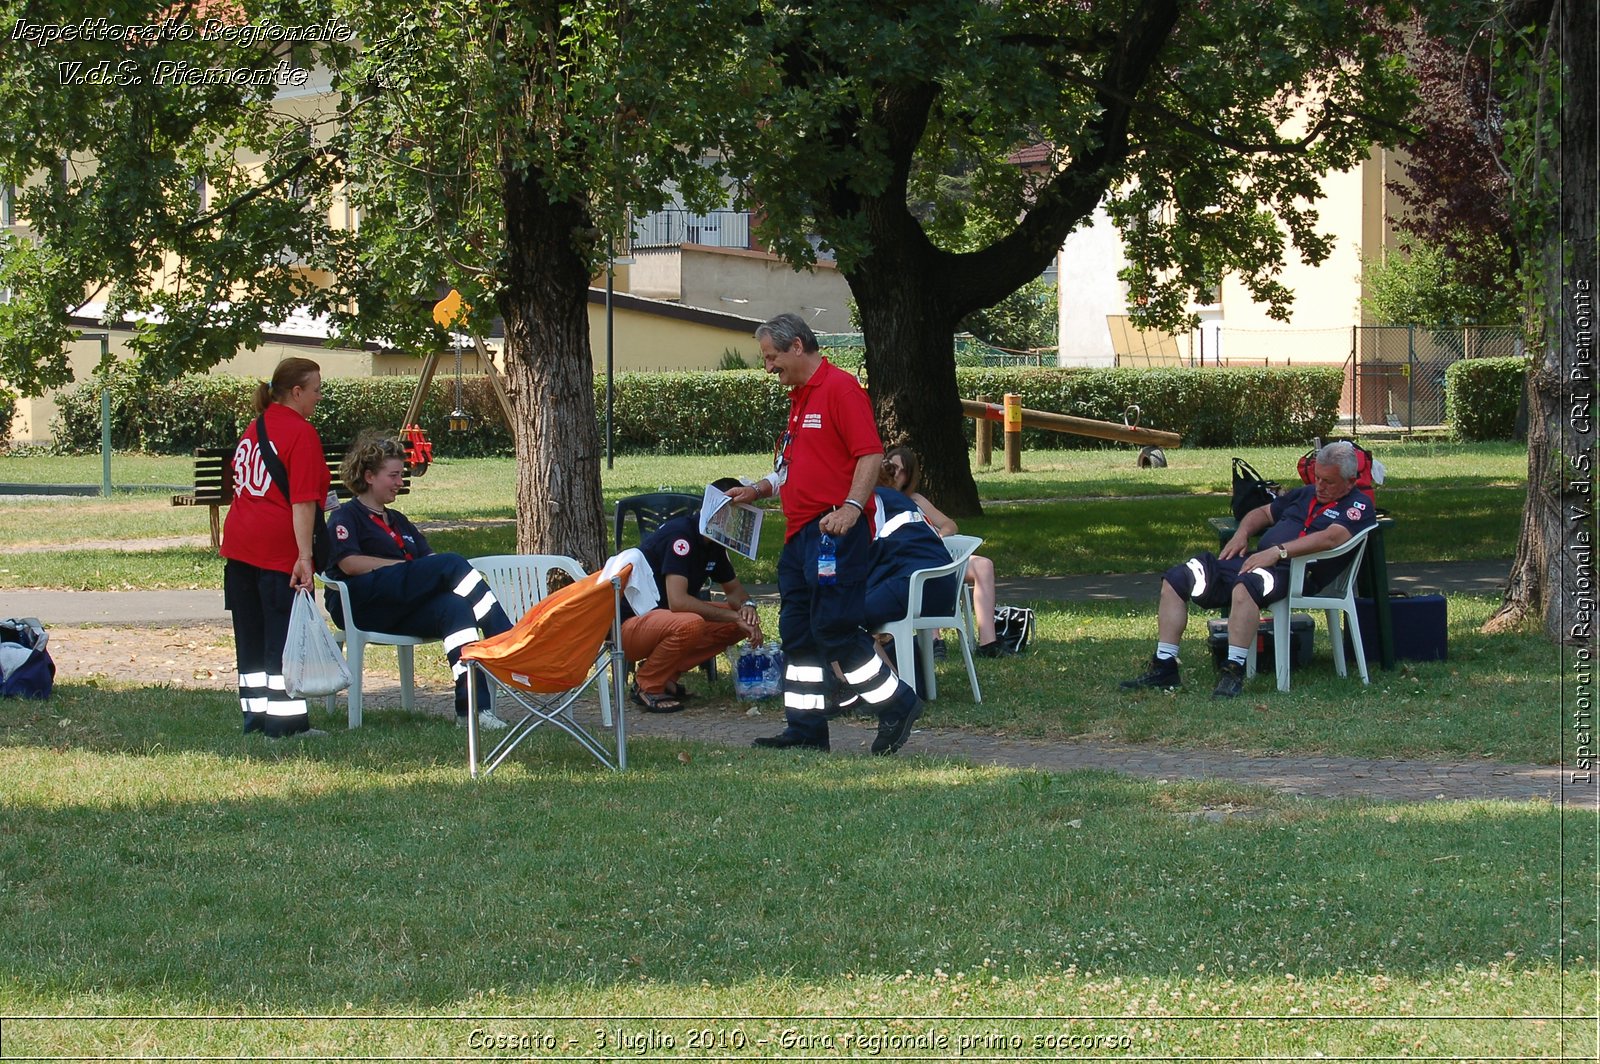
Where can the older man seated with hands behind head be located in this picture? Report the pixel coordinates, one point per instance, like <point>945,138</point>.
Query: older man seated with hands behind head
<point>1316,517</point>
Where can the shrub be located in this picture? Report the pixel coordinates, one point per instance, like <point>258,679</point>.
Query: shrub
<point>719,412</point>
<point>175,417</point>
<point>723,412</point>
<point>1482,396</point>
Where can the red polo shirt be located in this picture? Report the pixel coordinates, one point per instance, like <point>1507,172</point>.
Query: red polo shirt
<point>830,428</point>
<point>259,529</point>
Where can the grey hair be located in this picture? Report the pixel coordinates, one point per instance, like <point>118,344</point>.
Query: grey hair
<point>1341,454</point>
<point>785,329</point>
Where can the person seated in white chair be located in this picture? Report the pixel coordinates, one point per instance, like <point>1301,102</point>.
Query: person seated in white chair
<point>1316,517</point>
<point>903,542</point>
<point>907,472</point>
<point>395,581</point>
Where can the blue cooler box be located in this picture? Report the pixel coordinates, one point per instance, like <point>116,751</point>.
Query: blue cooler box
<point>1421,627</point>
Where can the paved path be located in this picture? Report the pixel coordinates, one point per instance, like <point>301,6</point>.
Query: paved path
<point>1321,777</point>
<point>182,638</point>
<point>185,607</point>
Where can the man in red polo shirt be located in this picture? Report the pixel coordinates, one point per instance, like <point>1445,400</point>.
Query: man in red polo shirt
<point>826,467</point>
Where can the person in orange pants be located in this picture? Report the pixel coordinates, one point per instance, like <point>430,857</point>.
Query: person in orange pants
<point>685,630</point>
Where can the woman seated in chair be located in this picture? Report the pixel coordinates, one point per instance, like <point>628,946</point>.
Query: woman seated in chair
<point>395,581</point>
<point>902,542</point>
<point>907,471</point>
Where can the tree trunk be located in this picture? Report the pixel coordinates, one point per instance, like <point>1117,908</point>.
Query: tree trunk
<point>1552,576</point>
<point>545,306</point>
<point>911,375</point>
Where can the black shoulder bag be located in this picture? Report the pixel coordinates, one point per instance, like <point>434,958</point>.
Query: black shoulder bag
<point>1250,489</point>
<point>321,546</point>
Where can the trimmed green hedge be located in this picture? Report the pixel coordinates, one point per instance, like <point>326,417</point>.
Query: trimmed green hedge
<point>193,411</point>
<point>1481,397</point>
<point>729,411</point>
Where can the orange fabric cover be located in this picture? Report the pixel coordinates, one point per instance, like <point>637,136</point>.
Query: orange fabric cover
<point>553,648</point>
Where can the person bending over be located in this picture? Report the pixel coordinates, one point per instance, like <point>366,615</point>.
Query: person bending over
<point>395,581</point>
<point>903,542</point>
<point>684,631</point>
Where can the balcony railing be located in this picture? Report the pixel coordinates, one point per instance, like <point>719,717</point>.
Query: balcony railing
<point>669,228</point>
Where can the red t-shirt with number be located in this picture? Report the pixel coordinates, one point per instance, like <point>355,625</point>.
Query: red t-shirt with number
<point>830,427</point>
<point>259,529</point>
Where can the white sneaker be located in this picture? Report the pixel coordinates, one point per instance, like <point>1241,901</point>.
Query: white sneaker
<point>489,722</point>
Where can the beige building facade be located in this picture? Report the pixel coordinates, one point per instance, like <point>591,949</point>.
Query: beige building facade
<point>1356,207</point>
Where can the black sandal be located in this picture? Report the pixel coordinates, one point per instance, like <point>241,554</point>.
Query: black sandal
<point>662,703</point>
<point>680,692</point>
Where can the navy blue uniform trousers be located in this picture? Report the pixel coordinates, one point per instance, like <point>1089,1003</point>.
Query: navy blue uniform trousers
<point>821,624</point>
<point>439,596</point>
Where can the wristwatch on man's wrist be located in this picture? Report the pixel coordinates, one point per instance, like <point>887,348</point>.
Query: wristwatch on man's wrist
<point>1283,553</point>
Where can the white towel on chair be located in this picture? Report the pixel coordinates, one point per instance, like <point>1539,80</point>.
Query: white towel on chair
<point>641,591</point>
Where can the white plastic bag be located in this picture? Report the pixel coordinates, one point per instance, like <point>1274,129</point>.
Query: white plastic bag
<point>312,663</point>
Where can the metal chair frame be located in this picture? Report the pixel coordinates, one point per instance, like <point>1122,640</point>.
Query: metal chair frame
<point>521,581</point>
<point>556,709</point>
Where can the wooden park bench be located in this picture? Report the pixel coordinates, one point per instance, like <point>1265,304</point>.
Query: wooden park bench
<point>213,482</point>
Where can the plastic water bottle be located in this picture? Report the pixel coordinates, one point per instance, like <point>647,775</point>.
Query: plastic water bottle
<point>772,675</point>
<point>747,678</point>
<point>827,561</point>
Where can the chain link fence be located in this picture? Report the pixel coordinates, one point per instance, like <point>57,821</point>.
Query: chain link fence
<point>1396,375</point>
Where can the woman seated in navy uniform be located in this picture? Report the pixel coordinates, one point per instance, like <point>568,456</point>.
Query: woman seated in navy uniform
<point>902,543</point>
<point>907,471</point>
<point>395,581</point>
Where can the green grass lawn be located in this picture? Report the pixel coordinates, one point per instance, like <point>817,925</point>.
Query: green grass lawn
<point>1496,698</point>
<point>156,863</point>
<point>1070,512</point>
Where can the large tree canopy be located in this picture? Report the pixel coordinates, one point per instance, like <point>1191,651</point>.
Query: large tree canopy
<point>491,147</point>
<point>1202,127</point>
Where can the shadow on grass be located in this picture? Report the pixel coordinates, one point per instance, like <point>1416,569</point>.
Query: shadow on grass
<point>368,868</point>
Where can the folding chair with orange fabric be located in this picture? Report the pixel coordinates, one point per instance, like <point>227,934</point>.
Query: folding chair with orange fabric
<point>568,643</point>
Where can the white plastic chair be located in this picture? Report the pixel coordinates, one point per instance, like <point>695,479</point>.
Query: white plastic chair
<point>918,629</point>
<point>355,640</point>
<point>1338,597</point>
<point>521,581</point>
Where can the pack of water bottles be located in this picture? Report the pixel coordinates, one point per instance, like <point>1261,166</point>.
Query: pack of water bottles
<point>757,671</point>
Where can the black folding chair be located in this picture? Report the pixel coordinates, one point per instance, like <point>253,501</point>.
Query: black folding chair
<point>652,510</point>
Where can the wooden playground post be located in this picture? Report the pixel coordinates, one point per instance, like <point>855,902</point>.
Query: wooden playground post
<point>1013,406</point>
<point>985,437</point>
<point>1016,417</point>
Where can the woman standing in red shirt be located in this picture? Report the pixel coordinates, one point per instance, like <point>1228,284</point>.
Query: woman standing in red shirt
<point>267,541</point>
